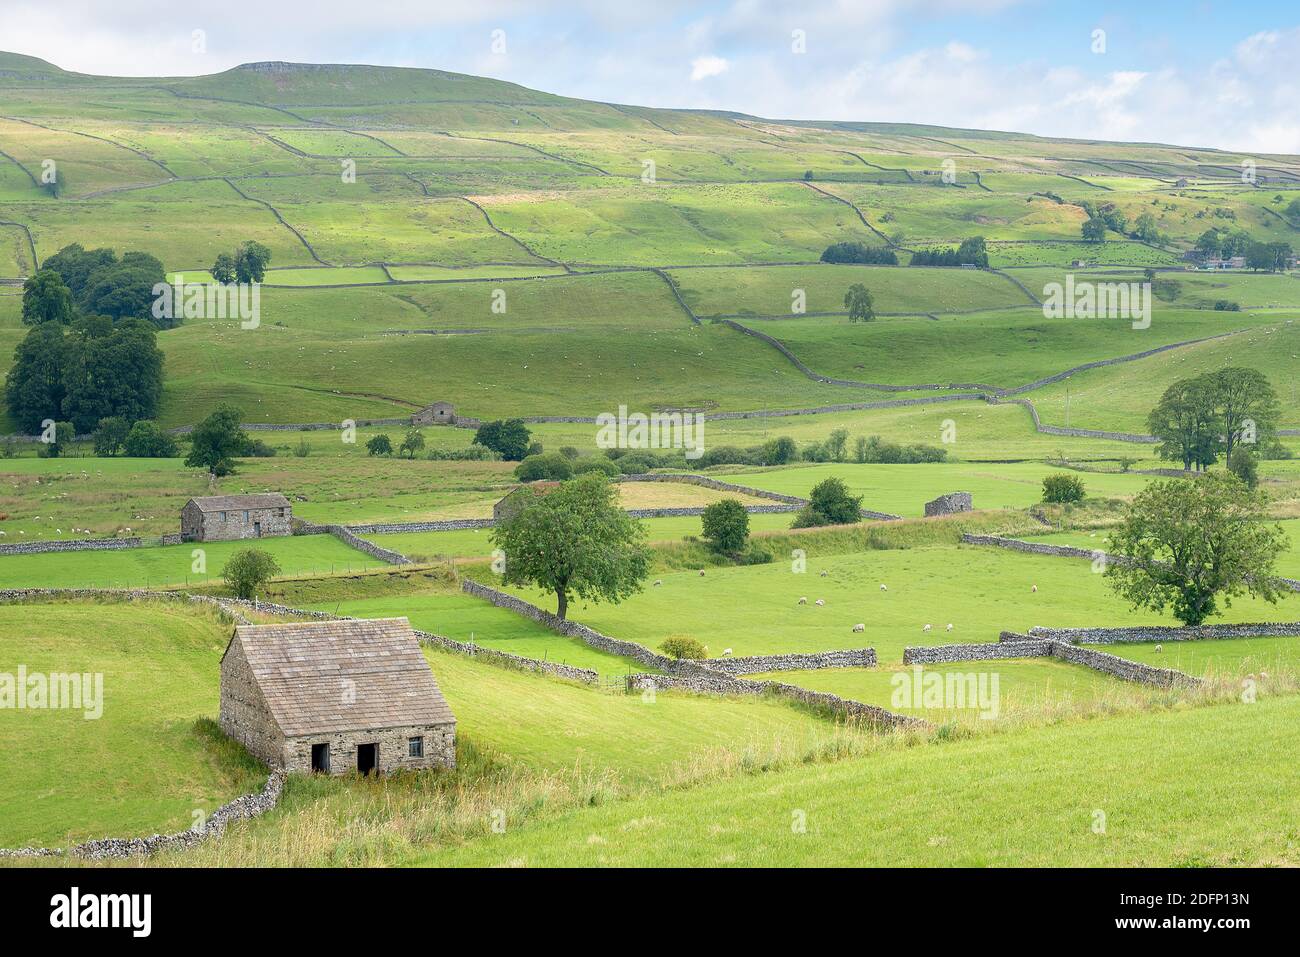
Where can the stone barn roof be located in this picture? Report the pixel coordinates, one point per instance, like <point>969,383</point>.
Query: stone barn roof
<point>301,668</point>
<point>233,503</point>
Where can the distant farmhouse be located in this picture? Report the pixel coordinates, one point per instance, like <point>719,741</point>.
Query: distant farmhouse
<point>223,518</point>
<point>440,413</point>
<point>335,696</point>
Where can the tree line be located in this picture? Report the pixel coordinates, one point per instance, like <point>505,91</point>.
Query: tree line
<point>1229,412</point>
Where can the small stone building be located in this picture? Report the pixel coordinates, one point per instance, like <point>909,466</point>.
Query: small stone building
<point>222,518</point>
<point>334,697</point>
<point>949,504</point>
<point>440,413</point>
<point>518,498</point>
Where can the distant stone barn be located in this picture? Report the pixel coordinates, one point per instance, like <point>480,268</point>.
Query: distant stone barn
<point>440,413</point>
<point>334,697</point>
<point>223,518</point>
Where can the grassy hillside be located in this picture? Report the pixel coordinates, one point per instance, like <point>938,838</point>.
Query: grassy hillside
<point>991,801</point>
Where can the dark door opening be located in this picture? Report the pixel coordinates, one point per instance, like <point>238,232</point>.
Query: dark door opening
<point>320,758</point>
<point>368,758</point>
<point>257,529</point>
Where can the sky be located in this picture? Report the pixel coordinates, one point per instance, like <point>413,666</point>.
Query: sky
<point>1193,73</point>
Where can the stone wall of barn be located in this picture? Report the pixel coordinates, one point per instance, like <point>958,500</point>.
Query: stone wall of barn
<point>244,714</point>
<point>394,750</point>
<point>210,527</point>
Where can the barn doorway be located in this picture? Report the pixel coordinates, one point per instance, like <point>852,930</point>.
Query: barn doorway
<point>257,529</point>
<point>368,758</point>
<point>320,758</point>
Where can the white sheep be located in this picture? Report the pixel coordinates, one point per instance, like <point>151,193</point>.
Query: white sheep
<point>658,582</point>
<point>1159,648</point>
<point>825,573</point>
<point>726,652</point>
<point>804,600</point>
<point>883,587</point>
<point>926,628</point>
<point>1033,588</point>
<point>949,628</point>
<point>859,627</point>
<point>819,601</point>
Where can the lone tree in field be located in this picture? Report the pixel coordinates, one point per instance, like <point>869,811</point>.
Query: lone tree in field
<point>575,540</point>
<point>829,503</point>
<point>1187,544</point>
<point>412,443</point>
<point>379,445</point>
<point>248,570</point>
<point>726,525</point>
<point>217,440</point>
<point>858,302</point>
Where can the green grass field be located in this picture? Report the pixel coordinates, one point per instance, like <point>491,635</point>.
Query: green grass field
<point>187,564</point>
<point>1028,798</point>
<point>141,767</point>
<point>980,591</point>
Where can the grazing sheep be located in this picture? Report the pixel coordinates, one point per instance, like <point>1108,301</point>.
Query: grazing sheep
<point>803,601</point>
<point>819,601</point>
<point>726,652</point>
<point>825,573</point>
<point>701,572</point>
<point>883,587</point>
<point>1264,675</point>
<point>658,582</point>
<point>949,628</point>
<point>859,627</point>
<point>1033,588</point>
<point>1159,648</point>
<point>926,628</point>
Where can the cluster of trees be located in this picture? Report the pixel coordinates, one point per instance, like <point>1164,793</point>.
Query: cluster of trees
<point>857,252</point>
<point>89,370</point>
<point>1104,216</point>
<point>971,252</point>
<point>247,264</point>
<point>92,351</point>
<point>1260,257</point>
<point>509,438</point>
<point>1228,412</point>
<point>76,282</point>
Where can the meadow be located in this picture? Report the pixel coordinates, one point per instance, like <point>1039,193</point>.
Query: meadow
<point>518,253</point>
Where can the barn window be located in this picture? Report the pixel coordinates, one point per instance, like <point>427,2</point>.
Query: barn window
<point>415,747</point>
<point>223,516</point>
<point>245,515</point>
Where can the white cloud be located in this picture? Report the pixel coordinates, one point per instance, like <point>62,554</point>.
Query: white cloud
<point>703,67</point>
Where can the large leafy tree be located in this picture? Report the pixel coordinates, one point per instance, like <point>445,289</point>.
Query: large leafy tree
<point>1189,544</point>
<point>859,303</point>
<point>248,570</point>
<point>250,262</point>
<point>829,503</point>
<point>509,439</point>
<point>1185,422</point>
<point>575,540</point>
<point>217,440</point>
<point>725,525</point>
<point>34,389</point>
<point>1246,403</point>
<point>112,371</point>
<point>46,298</point>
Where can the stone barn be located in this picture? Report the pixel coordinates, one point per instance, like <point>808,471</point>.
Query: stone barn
<point>440,413</point>
<point>519,498</point>
<point>949,504</point>
<point>222,518</point>
<point>334,697</point>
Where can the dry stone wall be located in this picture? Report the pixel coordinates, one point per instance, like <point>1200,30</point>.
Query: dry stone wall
<point>756,664</point>
<point>346,535</point>
<point>1018,647</point>
<point>116,848</point>
<point>1161,633</point>
<point>70,545</point>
